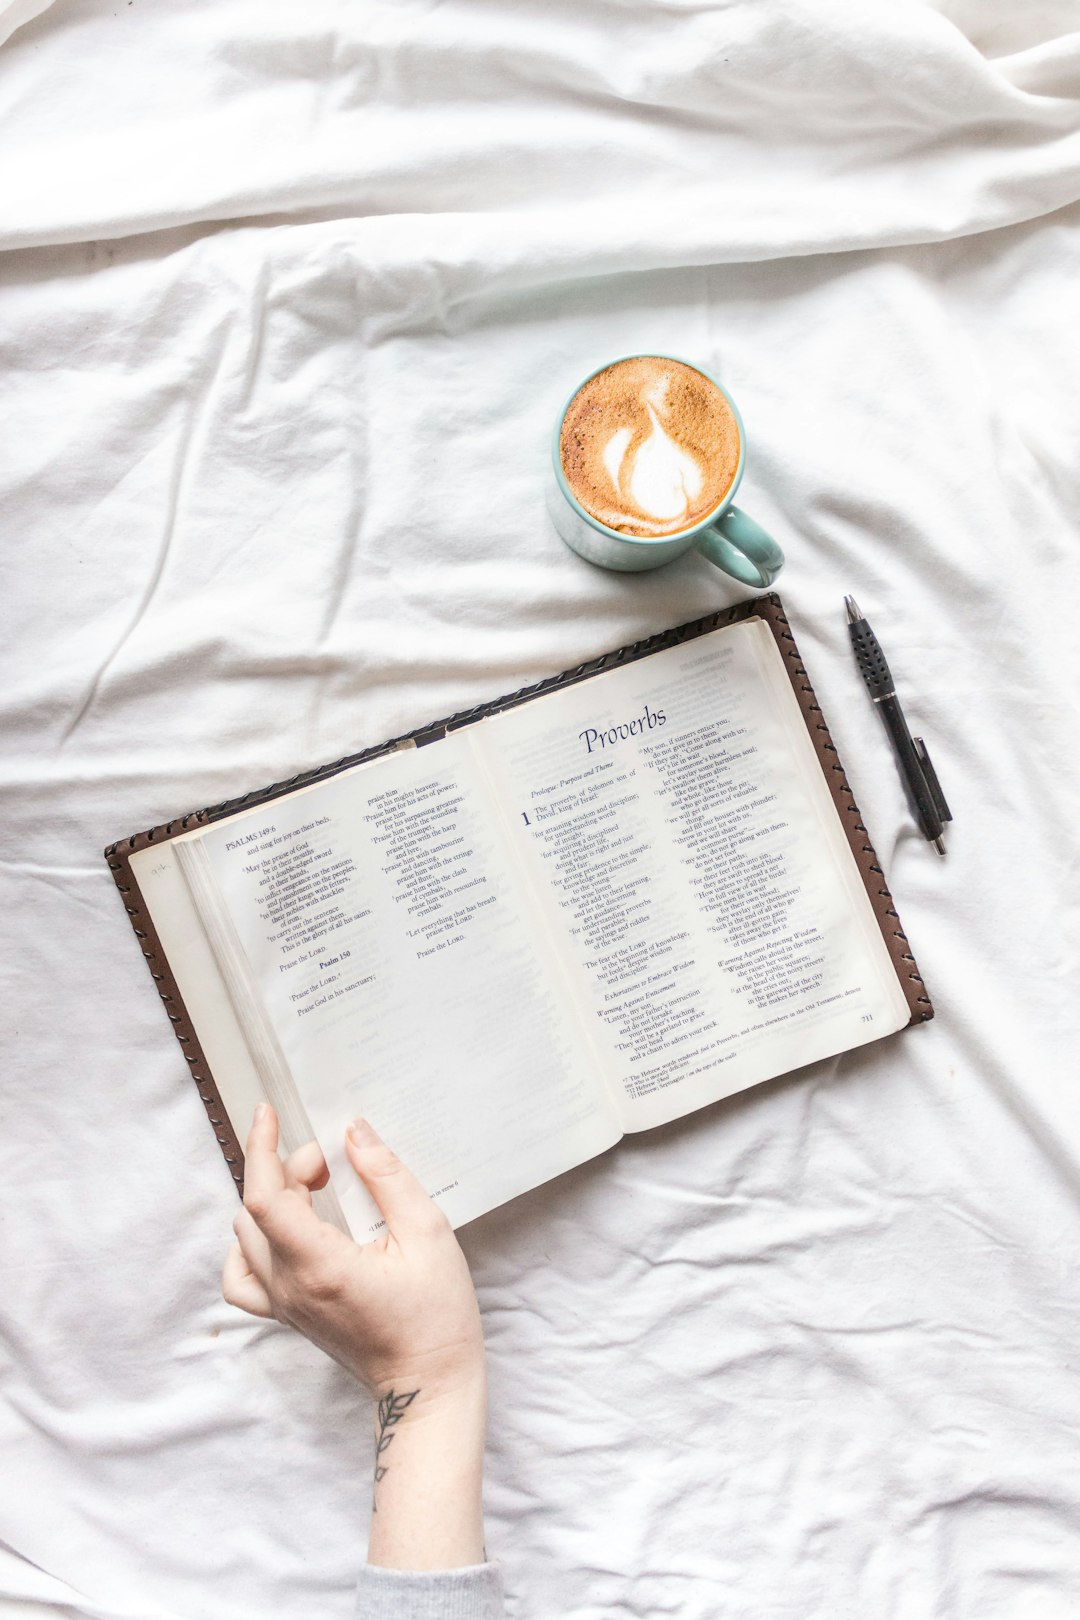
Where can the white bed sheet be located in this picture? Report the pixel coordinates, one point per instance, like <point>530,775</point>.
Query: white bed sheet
<point>288,298</point>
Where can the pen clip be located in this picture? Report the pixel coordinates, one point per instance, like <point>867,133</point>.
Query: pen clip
<point>942,808</point>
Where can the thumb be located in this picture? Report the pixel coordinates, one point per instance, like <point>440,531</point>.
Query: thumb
<point>402,1201</point>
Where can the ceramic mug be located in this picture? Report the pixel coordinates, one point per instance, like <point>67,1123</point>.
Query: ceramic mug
<point>726,536</point>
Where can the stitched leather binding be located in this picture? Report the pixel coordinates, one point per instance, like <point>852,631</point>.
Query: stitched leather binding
<point>767,607</point>
<point>119,856</point>
<point>869,867</point>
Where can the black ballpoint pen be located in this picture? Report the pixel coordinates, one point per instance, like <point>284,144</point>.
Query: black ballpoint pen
<point>916,771</point>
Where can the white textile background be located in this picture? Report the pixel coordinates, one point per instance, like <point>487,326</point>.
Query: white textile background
<point>288,297</point>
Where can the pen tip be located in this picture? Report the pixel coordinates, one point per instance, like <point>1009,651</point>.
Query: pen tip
<point>853,613</point>
<point>939,845</point>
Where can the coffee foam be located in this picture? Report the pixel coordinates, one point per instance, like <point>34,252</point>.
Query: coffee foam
<point>649,446</point>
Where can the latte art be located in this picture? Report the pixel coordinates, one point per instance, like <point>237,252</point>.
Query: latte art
<point>649,446</point>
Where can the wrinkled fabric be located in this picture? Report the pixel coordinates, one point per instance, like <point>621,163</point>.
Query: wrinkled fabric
<point>289,298</point>
<point>13,13</point>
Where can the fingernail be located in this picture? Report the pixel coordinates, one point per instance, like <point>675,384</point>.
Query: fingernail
<point>360,1131</point>
<point>260,1114</point>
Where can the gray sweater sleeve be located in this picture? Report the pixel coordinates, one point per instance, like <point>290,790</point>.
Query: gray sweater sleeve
<point>474,1593</point>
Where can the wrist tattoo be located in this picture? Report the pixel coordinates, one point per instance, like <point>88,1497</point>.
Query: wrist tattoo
<point>392,1409</point>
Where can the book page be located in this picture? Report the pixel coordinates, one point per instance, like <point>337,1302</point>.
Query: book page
<point>675,823</point>
<point>240,1086</point>
<point>401,978</point>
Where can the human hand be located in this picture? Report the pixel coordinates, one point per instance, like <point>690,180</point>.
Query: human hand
<point>399,1313</point>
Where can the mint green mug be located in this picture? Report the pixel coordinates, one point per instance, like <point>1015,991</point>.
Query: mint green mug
<point>725,535</point>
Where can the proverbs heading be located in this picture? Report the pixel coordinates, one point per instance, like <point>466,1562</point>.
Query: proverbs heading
<point>611,736</point>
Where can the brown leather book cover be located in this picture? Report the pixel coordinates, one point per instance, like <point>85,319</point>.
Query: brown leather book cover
<point>767,608</point>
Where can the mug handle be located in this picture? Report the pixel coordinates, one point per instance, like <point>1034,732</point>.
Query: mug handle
<point>741,548</point>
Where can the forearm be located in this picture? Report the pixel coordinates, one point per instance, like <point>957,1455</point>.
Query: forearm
<point>427,1504</point>
<point>399,1315</point>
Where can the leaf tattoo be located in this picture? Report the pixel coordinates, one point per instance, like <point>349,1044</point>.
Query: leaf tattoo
<point>392,1409</point>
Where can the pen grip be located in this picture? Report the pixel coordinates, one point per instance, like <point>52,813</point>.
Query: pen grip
<point>909,764</point>
<point>870,659</point>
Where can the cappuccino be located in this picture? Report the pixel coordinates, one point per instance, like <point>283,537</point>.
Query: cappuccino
<point>649,446</point>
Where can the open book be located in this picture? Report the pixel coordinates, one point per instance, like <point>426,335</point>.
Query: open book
<point>514,936</point>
